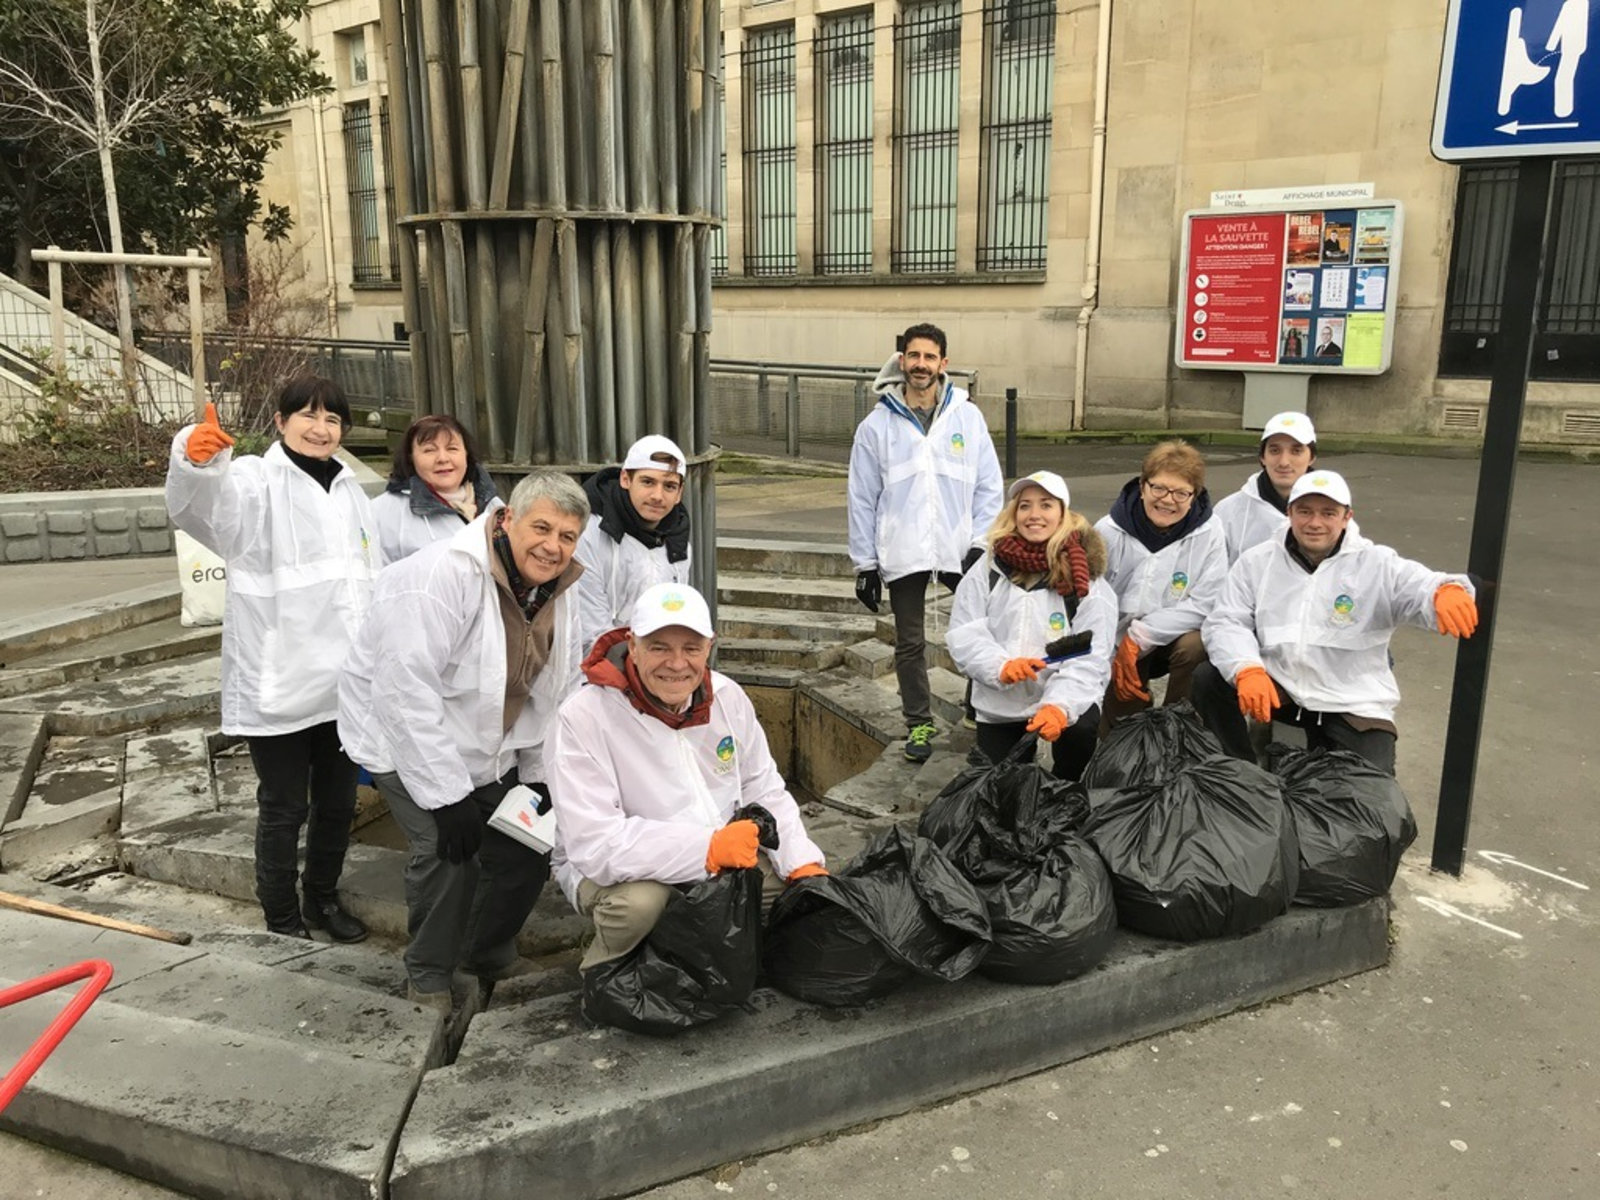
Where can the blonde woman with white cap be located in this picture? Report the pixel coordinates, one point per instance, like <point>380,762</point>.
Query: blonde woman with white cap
<point>1301,631</point>
<point>637,536</point>
<point>1259,509</point>
<point>1039,582</point>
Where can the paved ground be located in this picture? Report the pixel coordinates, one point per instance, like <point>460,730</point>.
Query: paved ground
<point>1467,1066</point>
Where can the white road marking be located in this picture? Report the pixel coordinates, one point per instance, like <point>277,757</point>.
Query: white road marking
<point>1505,860</point>
<point>1449,910</point>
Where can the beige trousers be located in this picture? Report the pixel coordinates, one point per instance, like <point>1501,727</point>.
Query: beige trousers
<point>625,913</point>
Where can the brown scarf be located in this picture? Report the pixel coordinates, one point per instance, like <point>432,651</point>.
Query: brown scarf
<point>1030,558</point>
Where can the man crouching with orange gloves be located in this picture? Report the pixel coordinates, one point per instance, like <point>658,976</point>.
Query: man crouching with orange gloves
<point>652,759</point>
<point>1301,632</point>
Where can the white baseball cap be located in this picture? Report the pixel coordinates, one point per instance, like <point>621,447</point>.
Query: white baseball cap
<point>1049,481</point>
<point>640,455</point>
<point>1321,483</point>
<point>1296,424</point>
<point>665,604</point>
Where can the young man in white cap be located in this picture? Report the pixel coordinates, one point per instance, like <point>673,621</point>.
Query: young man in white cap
<point>924,488</point>
<point>1260,507</point>
<point>1301,632</point>
<point>650,762</point>
<point>638,534</point>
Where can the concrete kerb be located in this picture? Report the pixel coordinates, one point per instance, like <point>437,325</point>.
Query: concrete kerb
<point>76,622</point>
<point>23,737</point>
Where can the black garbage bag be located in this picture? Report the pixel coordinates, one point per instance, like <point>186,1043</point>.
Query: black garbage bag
<point>1209,852</point>
<point>898,909</point>
<point>1011,829</point>
<point>766,824</point>
<point>1352,821</point>
<point>1149,746</point>
<point>699,962</point>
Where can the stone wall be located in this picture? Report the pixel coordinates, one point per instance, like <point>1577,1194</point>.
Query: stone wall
<point>54,526</point>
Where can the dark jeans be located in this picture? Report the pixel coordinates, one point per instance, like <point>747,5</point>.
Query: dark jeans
<point>291,767</point>
<point>1070,752</point>
<point>464,914</point>
<point>1176,660</point>
<point>1217,702</point>
<point>908,598</point>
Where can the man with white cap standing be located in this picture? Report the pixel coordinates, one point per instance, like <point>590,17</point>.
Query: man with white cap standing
<point>1301,632</point>
<point>638,534</point>
<point>650,763</point>
<point>1260,507</point>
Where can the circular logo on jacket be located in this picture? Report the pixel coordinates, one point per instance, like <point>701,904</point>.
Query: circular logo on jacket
<point>1344,610</point>
<point>1058,622</point>
<point>725,755</point>
<point>1179,585</point>
<point>958,444</point>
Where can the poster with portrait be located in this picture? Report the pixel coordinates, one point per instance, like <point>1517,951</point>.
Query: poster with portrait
<point>1338,233</point>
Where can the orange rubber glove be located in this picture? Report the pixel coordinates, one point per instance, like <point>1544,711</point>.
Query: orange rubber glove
<point>806,872</point>
<point>1456,611</point>
<point>1049,722</point>
<point>733,846</point>
<point>1258,695</point>
<point>1016,670</point>
<point>208,440</point>
<point>1125,672</point>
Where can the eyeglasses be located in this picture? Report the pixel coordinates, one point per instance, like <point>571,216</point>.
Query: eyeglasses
<point>1158,492</point>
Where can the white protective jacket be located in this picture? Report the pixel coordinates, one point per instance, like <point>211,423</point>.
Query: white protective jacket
<point>424,689</point>
<point>1246,519</point>
<point>404,526</point>
<point>301,562</point>
<point>919,501</point>
<point>1324,634</point>
<point>635,799</point>
<point>1163,596</point>
<point>991,624</point>
<point>615,572</point>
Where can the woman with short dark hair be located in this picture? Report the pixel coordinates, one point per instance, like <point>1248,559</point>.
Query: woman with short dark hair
<point>436,486</point>
<point>295,530</point>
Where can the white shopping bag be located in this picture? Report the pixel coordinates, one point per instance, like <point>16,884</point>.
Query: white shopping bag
<point>204,579</point>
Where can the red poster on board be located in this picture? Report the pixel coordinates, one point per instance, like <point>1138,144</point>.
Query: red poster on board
<point>1235,289</point>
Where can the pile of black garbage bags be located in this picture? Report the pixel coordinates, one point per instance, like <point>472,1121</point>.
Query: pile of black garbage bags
<point>1023,878</point>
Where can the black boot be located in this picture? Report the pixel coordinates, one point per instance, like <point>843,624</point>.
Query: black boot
<point>287,925</point>
<point>331,916</point>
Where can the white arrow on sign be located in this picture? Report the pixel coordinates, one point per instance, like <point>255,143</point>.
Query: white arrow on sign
<point>1505,860</point>
<point>1449,910</point>
<point>1516,127</point>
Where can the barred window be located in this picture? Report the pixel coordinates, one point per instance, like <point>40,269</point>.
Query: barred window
<point>767,69</point>
<point>366,257</point>
<point>391,214</point>
<point>843,58</point>
<point>1019,40</point>
<point>719,186</point>
<point>927,54</point>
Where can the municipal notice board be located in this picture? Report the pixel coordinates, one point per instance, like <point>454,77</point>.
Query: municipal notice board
<point>1304,290</point>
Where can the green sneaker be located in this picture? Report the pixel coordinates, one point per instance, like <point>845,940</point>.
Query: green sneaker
<point>919,743</point>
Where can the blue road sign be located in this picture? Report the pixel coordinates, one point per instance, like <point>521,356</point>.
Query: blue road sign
<point>1518,79</point>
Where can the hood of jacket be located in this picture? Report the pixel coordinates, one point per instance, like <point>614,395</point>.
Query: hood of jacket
<point>425,502</point>
<point>1127,512</point>
<point>608,665</point>
<point>609,501</point>
<point>890,386</point>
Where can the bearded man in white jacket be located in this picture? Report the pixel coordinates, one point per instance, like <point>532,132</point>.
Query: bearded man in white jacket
<point>454,682</point>
<point>924,488</point>
<point>1301,631</point>
<point>649,763</point>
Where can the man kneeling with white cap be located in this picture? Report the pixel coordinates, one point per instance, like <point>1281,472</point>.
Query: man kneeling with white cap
<point>1301,632</point>
<point>651,760</point>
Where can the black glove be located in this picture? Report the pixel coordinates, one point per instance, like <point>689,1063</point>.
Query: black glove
<point>460,830</point>
<point>869,589</point>
<point>543,793</point>
<point>970,557</point>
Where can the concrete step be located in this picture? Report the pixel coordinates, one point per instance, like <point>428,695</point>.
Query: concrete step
<point>73,623</point>
<point>779,652</point>
<point>75,796</point>
<point>22,742</point>
<point>805,560</point>
<point>595,1113</point>
<point>182,690</point>
<point>793,594</point>
<point>739,622</point>
<point>213,1074</point>
<point>95,658</point>
<point>871,658</point>
<point>936,623</point>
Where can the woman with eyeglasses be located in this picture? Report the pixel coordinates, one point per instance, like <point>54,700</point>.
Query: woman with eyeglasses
<point>1167,560</point>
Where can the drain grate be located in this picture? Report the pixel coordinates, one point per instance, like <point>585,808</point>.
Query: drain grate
<point>1580,424</point>
<point>1463,417</point>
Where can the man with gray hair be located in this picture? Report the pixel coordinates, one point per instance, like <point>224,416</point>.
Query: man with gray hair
<point>469,647</point>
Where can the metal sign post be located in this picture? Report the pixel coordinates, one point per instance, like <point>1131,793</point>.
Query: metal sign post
<point>1512,85</point>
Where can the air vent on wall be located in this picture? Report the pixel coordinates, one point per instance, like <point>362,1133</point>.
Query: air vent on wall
<point>1581,424</point>
<point>1462,419</point>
